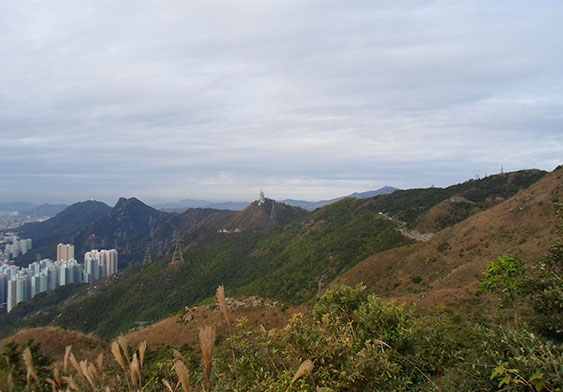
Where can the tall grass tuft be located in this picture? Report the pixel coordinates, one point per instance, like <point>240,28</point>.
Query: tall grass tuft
<point>76,365</point>
<point>225,310</point>
<point>52,383</point>
<point>306,366</point>
<point>207,344</point>
<point>135,372</point>
<point>117,355</point>
<point>132,369</point>
<point>57,376</point>
<point>167,385</point>
<point>100,367</point>
<point>142,349</point>
<point>123,344</point>
<point>71,383</point>
<point>178,355</point>
<point>86,373</point>
<point>28,360</point>
<point>10,381</point>
<point>223,303</point>
<point>183,375</point>
<point>68,349</point>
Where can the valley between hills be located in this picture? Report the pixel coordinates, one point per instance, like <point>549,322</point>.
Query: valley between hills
<point>324,286</point>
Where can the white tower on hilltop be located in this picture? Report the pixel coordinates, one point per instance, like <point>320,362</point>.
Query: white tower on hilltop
<point>261,199</point>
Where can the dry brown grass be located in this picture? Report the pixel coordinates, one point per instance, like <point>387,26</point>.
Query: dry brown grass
<point>429,222</point>
<point>175,332</point>
<point>116,351</point>
<point>306,366</point>
<point>132,368</point>
<point>223,303</point>
<point>68,350</point>
<point>28,360</point>
<point>225,310</point>
<point>167,385</point>
<point>207,344</point>
<point>183,375</point>
<point>53,342</point>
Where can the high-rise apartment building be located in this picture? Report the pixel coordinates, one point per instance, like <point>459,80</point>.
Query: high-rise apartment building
<point>11,297</point>
<point>65,252</point>
<point>25,245</point>
<point>91,269</point>
<point>17,285</point>
<point>17,290</point>
<point>53,276</point>
<point>17,247</point>
<point>100,264</point>
<point>3,287</point>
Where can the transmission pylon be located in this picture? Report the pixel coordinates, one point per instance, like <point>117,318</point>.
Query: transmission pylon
<point>148,259</point>
<point>177,257</point>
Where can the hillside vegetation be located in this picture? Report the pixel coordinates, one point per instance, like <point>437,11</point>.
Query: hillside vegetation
<point>350,337</point>
<point>60,228</point>
<point>288,272</point>
<point>447,268</point>
<point>287,256</point>
<point>470,197</point>
<point>130,227</point>
<point>352,341</point>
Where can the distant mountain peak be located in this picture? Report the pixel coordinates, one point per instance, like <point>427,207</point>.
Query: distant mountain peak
<point>368,194</point>
<point>264,214</point>
<point>131,203</point>
<point>123,201</point>
<point>312,205</point>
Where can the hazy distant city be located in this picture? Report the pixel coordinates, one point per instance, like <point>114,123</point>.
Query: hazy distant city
<point>18,284</point>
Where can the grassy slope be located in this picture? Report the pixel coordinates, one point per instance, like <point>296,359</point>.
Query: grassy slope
<point>451,263</point>
<point>53,342</point>
<point>172,331</point>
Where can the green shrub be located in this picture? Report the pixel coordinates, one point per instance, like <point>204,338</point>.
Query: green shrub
<point>416,279</point>
<point>532,363</point>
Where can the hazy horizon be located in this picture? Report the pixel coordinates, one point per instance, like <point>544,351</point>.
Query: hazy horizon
<point>312,100</point>
<point>112,202</point>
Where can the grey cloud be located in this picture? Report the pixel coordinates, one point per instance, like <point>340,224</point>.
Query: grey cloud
<point>311,99</point>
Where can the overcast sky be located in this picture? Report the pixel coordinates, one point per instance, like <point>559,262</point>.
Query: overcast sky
<point>166,100</point>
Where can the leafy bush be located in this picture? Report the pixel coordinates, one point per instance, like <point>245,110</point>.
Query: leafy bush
<point>355,341</point>
<point>545,287</point>
<point>504,357</point>
<point>506,277</point>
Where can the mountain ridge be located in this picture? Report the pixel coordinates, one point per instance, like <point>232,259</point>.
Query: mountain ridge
<point>239,206</point>
<point>60,228</point>
<point>447,268</point>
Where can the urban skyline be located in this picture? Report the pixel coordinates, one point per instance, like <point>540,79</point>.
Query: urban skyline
<point>19,284</point>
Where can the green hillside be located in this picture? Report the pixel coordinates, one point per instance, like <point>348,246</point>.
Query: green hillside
<point>283,265</point>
